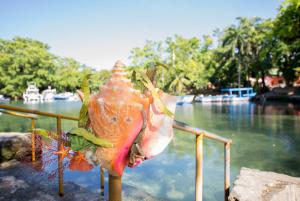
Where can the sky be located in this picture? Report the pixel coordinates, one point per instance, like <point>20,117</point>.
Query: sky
<point>98,32</point>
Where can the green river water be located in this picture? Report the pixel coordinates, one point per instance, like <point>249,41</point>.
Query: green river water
<point>266,137</point>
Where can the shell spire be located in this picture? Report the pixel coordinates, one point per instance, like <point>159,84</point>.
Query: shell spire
<point>118,69</point>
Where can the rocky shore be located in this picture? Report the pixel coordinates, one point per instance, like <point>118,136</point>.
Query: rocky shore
<point>20,182</point>
<point>256,185</point>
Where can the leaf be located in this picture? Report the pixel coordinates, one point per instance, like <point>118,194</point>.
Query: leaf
<point>83,115</point>
<point>79,143</point>
<point>91,138</point>
<point>155,95</point>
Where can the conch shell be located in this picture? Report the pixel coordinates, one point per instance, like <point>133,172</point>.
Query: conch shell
<point>130,120</point>
<point>116,114</point>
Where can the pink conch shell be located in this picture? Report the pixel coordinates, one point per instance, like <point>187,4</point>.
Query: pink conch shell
<point>115,114</point>
<point>159,130</point>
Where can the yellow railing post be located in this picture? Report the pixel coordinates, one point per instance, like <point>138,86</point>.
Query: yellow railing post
<point>102,180</point>
<point>114,188</point>
<point>199,167</point>
<point>226,170</point>
<point>60,160</point>
<point>32,140</point>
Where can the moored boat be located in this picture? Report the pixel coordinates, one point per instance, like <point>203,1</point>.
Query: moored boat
<point>32,93</point>
<point>48,94</point>
<point>229,95</point>
<point>75,97</point>
<point>3,99</point>
<point>185,99</point>
<point>63,96</point>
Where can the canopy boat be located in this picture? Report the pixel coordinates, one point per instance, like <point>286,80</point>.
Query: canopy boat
<point>238,94</point>
<point>32,93</point>
<point>229,95</point>
<point>48,94</point>
<point>185,99</point>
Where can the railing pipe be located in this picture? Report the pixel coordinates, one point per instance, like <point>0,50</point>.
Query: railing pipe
<point>18,114</point>
<point>60,159</point>
<point>48,114</point>
<point>32,140</point>
<point>102,180</point>
<point>115,188</point>
<point>226,170</point>
<point>199,168</point>
<point>196,131</point>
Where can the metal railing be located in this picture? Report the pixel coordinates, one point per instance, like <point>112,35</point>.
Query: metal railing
<point>116,182</point>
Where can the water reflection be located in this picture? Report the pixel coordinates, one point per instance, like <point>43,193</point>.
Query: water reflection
<point>265,137</point>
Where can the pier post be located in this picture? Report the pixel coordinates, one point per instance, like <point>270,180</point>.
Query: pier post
<point>60,161</point>
<point>226,170</point>
<point>199,167</point>
<point>115,188</point>
<point>32,140</point>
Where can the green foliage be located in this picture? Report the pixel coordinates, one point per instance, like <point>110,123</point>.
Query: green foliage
<point>82,132</point>
<point>250,48</point>
<point>177,66</point>
<point>23,60</point>
<point>287,30</point>
<point>79,143</point>
<point>83,115</point>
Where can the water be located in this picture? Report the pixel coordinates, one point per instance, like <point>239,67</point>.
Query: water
<point>265,137</point>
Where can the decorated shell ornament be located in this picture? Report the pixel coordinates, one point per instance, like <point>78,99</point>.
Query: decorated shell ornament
<point>131,121</point>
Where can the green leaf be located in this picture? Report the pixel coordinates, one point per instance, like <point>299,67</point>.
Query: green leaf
<point>79,143</point>
<point>90,137</point>
<point>146,81</point>
<point>83,115</point>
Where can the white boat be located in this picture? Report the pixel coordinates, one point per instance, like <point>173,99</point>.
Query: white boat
<point>63,96</point>
<point>209,98</point>
<point>2,98</point>
<point>48,94</point>
<point>32,93</point>
<point>75,97</point>
<point>185,99</point>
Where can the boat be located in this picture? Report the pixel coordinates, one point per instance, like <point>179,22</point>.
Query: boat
<point>229,95</point>
<point>3,99</point>
<point>48,94</point>
<point>75,97</point>
<point>32,93</point>
<point>188,99</point>
<point>63,96</point>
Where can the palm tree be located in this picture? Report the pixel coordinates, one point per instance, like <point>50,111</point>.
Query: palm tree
<point>236,40</point>
<point>178,85</point>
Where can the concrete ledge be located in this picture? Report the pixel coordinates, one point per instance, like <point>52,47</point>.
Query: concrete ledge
<point>256,185</point>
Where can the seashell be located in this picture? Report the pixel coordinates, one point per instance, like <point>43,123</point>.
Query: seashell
<point>116,114</point>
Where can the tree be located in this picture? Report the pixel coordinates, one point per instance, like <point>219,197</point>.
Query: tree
<point>287,30</point>
<point>23,60</point>
<point>236,39</point>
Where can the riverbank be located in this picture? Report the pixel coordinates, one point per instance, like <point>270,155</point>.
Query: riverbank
<point>287,94</point>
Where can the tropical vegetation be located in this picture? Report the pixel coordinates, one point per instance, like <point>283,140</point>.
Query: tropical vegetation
<point>251,48</point>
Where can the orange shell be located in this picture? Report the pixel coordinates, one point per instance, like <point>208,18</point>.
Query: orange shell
<point>116,115</point>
